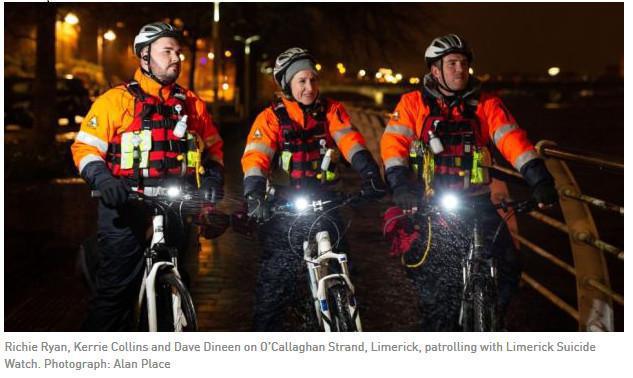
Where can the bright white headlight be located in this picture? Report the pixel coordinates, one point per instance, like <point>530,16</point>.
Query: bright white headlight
<point>450,201</point>
<point>301,203</point>
<point>173,191</point>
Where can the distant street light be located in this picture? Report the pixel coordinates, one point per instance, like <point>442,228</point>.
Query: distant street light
<point>71,19</point>
<point>318,67</point>
<point>228,53</point>
<point>211,55</point>
<point>109,35</point>
<point>553,71</point>
<point>247,69</point>
<point>362,73</point>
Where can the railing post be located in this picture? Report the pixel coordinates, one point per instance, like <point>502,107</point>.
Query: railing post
<point>595,309</point>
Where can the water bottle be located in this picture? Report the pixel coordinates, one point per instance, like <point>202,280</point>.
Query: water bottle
<point>327,159</point>
<point>181,127</point>
<point>435,143</point>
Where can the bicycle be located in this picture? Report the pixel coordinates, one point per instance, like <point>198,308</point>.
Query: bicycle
<point>331,288</point>
<point>478,308</point>
<point>164,303</point>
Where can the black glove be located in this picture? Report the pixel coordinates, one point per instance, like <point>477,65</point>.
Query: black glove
<point>114,192</point>
<point>372,187</point>
<point>211,189</point>
<point>405,197</point>
<point>258,208</point>
<point>540,181</point>
<point>545,194</point>
<point>212,182</point>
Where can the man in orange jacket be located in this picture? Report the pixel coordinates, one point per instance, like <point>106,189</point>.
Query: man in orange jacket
<point>302,129</point>
<point>129,139</point>
<point>437,140</point>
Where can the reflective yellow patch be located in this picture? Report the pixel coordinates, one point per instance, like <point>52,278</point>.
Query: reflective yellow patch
<point>93,122</point>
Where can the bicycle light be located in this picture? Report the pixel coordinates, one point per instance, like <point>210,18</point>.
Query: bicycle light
<point>301,203</point>
<point>449,201</point>
<point>173,191</point>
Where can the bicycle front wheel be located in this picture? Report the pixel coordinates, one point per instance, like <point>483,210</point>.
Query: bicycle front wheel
<point>338,300</point>
<point>174,306</point>
<point>484,307</point>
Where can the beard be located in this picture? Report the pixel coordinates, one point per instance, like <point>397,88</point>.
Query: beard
<point>170,74</point>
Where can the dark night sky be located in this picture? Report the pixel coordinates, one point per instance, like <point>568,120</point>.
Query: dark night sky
<point>531,37</point>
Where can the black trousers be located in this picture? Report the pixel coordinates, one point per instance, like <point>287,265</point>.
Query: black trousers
<point>282,268</point>
<point>121,242</point>
<point>439,281</point>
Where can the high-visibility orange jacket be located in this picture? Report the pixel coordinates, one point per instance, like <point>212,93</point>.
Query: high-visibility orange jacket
<point>264,138</point>
<point>495,122</point>
<point>113,112</point>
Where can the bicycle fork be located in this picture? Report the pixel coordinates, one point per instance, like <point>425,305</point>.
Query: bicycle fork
<point>319,283</point>
<point>148,285</point>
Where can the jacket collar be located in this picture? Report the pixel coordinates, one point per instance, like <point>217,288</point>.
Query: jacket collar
<point>296,111</point>
<point>470,95</point>
<point>151,87</point>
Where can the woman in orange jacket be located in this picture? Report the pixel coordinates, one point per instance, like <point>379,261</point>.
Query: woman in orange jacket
<point>295,134</point>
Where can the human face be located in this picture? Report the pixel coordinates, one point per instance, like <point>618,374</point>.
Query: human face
<point>165,59</point>
<point>305,87</point>
<point>454,74</point>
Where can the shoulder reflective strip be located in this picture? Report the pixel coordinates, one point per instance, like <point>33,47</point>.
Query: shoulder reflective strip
<point>254,172</point>
<point>396,161</point>
<point>357,147</point>
<point>88,159</point>
<point>341,133</point>
<point>92,140</point>
<point>525,157</point>
<point>502,131</point>
<point>401,130</point>
<point>261,148</point>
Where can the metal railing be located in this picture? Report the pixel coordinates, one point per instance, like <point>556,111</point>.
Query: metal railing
<point>595,297</point>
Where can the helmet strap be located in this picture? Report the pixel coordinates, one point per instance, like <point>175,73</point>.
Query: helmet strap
<point>440,84</point>
<point>149,72</point>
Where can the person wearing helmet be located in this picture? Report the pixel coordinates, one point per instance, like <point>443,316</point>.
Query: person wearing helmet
<point>438,139</point>
<point>142,134</point>
<point>292,137</point>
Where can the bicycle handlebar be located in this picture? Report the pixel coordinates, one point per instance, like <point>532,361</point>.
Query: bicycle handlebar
<point>160,194</point>
<point>301,205</point>
<point>426,206</point>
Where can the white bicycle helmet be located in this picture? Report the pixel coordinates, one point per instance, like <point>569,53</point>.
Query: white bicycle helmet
<point>284,60</point>
<point>448,44</point>
<point>151,32</point>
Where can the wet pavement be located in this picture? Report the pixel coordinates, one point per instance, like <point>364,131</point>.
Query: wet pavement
<point>45,223</point>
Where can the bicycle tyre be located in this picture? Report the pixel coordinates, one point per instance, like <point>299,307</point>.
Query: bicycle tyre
<point>338,301</point>
<point>168,286</point>
<point>484,307</point>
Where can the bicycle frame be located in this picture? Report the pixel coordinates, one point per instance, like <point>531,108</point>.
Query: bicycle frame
<point>319,256</point>
<point>477,266</point>
<point>148,284</point>
<point>320,278</point>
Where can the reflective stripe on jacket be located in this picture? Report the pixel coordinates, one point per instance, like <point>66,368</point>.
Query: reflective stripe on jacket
<point>496,125</point>
<point>113,112</point>
<point>264,138</point>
